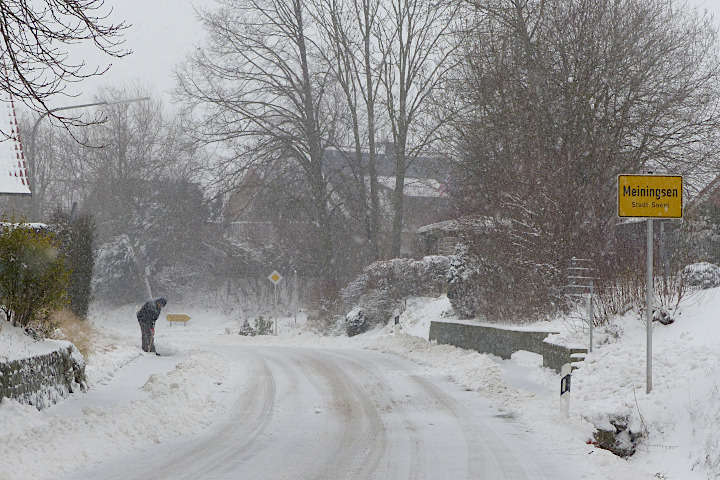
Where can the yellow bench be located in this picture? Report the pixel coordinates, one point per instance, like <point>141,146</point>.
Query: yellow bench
<point>177,317</point>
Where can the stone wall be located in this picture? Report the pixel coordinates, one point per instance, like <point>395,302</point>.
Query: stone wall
<point>43,379</point>
<point>502,342</point>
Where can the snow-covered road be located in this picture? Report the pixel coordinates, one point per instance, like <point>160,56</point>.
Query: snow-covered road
<point>298,405</point>
<point>317,413</point>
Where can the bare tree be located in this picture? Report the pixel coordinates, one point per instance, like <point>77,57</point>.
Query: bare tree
<point>566,96</point>
<point>256,90</point>
<point>356,60</point>
<point>132,154</point>
<point>131,140</point>
<point>32,35</point>
<point>134,174</point>
<point>417,41</point>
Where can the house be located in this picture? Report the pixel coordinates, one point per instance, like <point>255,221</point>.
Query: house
<point>13,166</point>
<point>425,187</point>
<point>441,238</point>
<point>708,195</point>
<point>425,194</point>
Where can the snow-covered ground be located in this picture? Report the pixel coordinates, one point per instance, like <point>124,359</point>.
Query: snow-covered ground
<point>136,399</point>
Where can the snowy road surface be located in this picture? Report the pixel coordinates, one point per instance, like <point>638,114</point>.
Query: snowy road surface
<point>315,413</point>
<point>382,405</point>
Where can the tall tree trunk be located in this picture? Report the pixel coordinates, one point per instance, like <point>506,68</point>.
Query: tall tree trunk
<point>141,267</point>
<point>399,197</point>
<point>372,160</point>
<point>318,184</point>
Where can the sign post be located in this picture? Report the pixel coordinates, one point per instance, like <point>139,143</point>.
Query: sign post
<point>275,278</point>
<point>591,315</point>
<point>565,378</point>
<point>296,295</point>
<point>649,196</point>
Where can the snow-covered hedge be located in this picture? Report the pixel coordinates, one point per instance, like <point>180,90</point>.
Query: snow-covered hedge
<point>704,275</point>
<point>496,285</point>
<point>383,285</point>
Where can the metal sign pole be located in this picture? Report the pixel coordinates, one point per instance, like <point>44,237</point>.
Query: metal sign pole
<point>591,316</point>
<point>649,301</point>
<point>275,306</point>
<point>275,278</point>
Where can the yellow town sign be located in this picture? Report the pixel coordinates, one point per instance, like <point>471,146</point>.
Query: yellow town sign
<point>650,196</point>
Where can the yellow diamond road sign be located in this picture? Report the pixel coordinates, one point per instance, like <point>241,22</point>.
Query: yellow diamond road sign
<point>650,196</point>
<point>275,277</point>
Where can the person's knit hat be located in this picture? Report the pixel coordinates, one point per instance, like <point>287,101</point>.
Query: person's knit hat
<point>162,301</point>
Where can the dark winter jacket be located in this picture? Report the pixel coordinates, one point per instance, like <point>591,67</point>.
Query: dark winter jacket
<point>150,312</point>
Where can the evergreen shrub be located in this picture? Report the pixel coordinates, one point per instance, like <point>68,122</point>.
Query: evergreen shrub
<point>34,278</point>
<point>77,242</point>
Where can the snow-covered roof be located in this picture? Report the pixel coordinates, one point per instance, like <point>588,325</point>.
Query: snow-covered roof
<point>477,224</point>
<point>417,187</point>
<point>13,166</point>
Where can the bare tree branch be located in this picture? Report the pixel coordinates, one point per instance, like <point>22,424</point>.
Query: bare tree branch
<point>35,37</point>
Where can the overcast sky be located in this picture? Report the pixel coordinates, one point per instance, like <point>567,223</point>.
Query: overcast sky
<point>712,6</point>
<point>161,33</point>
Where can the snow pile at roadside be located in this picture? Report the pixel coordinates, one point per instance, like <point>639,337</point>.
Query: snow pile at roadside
<point>107,359</point>
<point>36,444</point>
<point>472,370</point>
<point>519,387</point>
<point>15,344</point>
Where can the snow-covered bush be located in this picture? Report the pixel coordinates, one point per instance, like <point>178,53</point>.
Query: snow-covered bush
<point>262,327</point>
<point>247,330</point>
<point>116,277</point>
<point>488,281</point>
<point>619,438</point>
<point>383,285</point>
<point>662,315</point>
<point>704,275</point>
<point>355,322</point>
<point>463,278</point>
